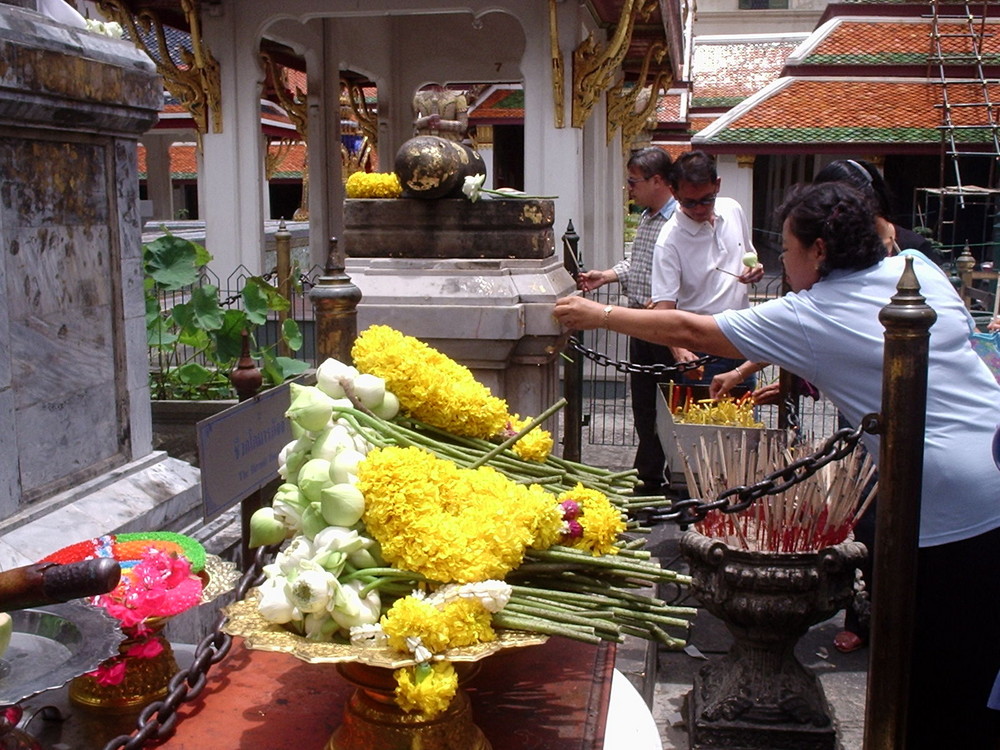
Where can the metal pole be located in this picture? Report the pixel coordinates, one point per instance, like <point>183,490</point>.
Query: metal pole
<point>573,369</point>
<point>283,268</point>
<point>335,301</point>
<point>907,320</point>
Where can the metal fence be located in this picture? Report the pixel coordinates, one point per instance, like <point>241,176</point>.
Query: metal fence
<point>607,415</point>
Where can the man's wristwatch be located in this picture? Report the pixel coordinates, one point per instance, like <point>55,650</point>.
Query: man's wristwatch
<point>607,314</point>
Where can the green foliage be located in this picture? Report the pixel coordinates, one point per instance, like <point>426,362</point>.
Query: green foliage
<point>201,329</point>
<point>631,224</point>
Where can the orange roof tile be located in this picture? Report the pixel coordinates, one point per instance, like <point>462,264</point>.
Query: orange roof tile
<point>183,161</point>
<point>668,108</point>
<point>897,42</point>
<point>726,73</point>
<point>502,105</point>
<point>852,111</point>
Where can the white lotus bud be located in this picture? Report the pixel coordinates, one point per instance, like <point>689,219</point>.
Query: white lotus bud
<point>344,466</point>
<point>369,390</point>
<point>311,588</point>
<point>331,441</point>
<point>330,375</point>
<point>389,407</point>
<point>310,408</point>
<point>313,477</point>
<point>342,504</point>
<point>274,605</point>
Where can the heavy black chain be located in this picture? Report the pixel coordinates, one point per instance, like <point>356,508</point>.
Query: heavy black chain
<point>737,499</point>
<point>157,721</point>
<point>605,361</point>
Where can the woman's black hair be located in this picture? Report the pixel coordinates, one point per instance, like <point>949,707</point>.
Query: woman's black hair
<point>862,175</point>
<point>839,215</point>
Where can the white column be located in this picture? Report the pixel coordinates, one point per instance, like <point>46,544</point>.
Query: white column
<point>159,186</point>
<point>553,157</point>
<point>231,168</point>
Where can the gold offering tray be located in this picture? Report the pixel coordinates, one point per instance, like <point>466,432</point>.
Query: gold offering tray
<point>245,621</point>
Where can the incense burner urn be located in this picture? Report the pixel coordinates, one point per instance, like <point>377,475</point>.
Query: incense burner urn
<point>759,695</point>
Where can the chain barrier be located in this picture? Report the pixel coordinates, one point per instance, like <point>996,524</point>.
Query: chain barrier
<point>627,367</point>
<point>157,721</point>
<point>738,499</point>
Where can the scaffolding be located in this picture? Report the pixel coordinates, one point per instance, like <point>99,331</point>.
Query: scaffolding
<point>965,64</point>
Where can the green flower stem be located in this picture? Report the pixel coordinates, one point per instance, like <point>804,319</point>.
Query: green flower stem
<point>521,433</point>
<point>536,625</point>
<point>638,554</point>
<point>560,554</point>
<point>600,626</point>
<point>650,616</point>
<point>566,596</point>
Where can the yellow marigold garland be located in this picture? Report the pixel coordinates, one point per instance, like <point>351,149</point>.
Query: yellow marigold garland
<point>536,445</point>
<point>429,385</point>
<point>463,622</point>
<point>600,522</point>
<point>448,523</point>
<point>430,695</point>
<point>372,185</point>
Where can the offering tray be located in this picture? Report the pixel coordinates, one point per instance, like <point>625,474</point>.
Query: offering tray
<point>244,620</point>
<point>53,644</point>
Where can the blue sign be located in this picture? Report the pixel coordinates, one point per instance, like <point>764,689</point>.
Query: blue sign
<point>238,449</point>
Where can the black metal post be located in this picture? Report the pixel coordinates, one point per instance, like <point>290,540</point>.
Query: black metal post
<point>335,301</point>
<point>573,369</point>
<point>907,320</point>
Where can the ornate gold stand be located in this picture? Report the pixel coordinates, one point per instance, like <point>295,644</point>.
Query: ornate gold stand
<point>373,720</point>
<point>146,680</point>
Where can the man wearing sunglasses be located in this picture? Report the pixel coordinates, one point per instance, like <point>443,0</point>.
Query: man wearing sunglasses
<point>648,182</point>
<point>698,257</point>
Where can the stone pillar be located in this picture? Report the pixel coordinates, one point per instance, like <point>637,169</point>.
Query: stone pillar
<point>75,428</point>
<point>159,185</point>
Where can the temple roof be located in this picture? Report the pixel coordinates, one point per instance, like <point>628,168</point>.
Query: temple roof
<point>726,70</point>
<point>868,81</point>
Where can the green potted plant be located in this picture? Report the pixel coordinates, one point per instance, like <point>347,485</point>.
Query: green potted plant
<point>195,343</point>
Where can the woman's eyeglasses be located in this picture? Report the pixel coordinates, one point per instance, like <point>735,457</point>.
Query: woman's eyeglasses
<point>708,200</point>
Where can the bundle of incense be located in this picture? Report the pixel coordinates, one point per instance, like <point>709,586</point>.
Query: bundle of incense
<point>818,512</point>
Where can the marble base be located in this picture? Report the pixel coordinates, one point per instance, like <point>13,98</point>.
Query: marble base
<point>154,493</point>
<point>492,315</point>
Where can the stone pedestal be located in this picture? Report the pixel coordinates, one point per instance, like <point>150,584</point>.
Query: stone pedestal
<point>75,428</point>
<point>476,281</point>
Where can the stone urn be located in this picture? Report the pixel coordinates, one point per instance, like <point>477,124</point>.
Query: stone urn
<point>759,695</point>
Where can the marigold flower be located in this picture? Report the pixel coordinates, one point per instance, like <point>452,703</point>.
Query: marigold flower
<point>427,689</point>
<point>535,445</point>
<point>373,185</point>
<point>600,521</point>
<point>448,523</point>
<point>429,385</point>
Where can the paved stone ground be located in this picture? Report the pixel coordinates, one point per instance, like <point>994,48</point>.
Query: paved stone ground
<point>842,676</point>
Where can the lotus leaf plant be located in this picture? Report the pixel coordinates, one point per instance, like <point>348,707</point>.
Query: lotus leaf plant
<point>196,343</point>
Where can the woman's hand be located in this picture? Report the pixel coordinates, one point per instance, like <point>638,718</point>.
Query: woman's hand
<point>723,383</point>
<point>579,314</point>
<point>769,394</point>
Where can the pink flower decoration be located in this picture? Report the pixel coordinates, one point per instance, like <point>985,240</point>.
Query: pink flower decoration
<point>159,585</point>
<point>147,649</point>
<point>570,510</point>
<point>109,673</point>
